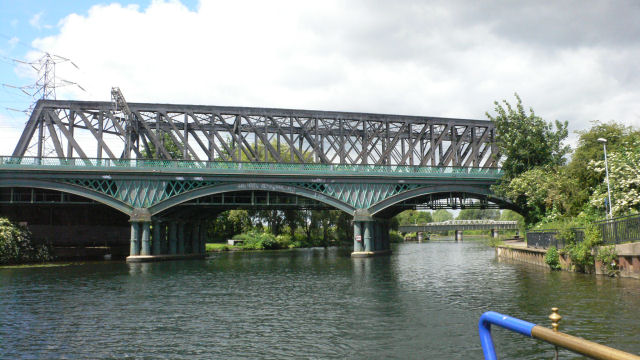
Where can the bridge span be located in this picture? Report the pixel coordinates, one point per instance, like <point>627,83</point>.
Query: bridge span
<point>460,225</point>
<point>170,167</point>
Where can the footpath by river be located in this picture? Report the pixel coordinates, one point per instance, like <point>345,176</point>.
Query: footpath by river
<point>421,302</point>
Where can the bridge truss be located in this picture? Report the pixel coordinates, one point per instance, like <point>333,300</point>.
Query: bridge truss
<point>166,164</point>
<point>83,129</point>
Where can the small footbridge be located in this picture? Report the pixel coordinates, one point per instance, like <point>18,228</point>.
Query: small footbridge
<point>460,225</point>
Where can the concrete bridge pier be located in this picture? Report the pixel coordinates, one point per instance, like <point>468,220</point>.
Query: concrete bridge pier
<point>181,239</point>
<point>173,237</point>
<point>135,239</point>
<point>203,238</point>
<point>155,238</point>
<point>195,238</point>
<point>458,235</point>
<point>494,233</point>
<point>145,249</point>
<point>149,239</point>
<point>371,236</point>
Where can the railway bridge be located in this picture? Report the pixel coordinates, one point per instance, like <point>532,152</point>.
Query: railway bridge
<point>168,168</point>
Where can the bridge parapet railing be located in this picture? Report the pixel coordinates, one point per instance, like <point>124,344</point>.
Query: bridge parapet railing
<point>620,230</point>
<point>345,169</point>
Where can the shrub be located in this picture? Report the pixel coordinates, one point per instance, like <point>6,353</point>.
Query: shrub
<point>607,255</point>
<point>581,257</point>
<point>395,237</point>
<point>552,258</point>
<point>17,246</point>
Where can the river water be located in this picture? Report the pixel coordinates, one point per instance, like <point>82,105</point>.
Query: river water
<point>423,302</point>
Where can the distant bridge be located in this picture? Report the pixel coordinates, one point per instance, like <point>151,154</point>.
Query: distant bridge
<point>170,167</point>
<point>460,225</point>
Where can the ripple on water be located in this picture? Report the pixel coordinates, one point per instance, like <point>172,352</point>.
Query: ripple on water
<point>422,302</point>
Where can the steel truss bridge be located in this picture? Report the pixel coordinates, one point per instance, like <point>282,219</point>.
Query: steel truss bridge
<point>158,163</point>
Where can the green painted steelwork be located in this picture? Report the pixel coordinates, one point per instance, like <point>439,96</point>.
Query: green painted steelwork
<point>205,167</point>
<point>157,185</point>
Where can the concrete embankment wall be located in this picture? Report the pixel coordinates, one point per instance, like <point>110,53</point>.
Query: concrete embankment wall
<point>628,258</point>
<point>521,254</point>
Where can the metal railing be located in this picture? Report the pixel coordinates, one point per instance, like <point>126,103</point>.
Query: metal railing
<point>621,229</point>
<point>543,239</point>
<point>569,342</point>
<point>244,167</point>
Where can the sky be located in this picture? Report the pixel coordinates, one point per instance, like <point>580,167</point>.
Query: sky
<point>577,61</point>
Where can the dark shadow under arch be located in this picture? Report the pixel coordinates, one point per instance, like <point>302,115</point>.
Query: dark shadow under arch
<point>217,189</point>
<point>385,206</point>
<point>71,189</point>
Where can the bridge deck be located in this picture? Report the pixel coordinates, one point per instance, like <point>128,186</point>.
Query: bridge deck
<point>246,168</point>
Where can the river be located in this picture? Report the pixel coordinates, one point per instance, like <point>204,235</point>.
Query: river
<point>422,302</point>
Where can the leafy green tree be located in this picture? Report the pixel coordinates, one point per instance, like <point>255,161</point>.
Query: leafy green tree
<point>526,140</point>
<point>442,215</point>
<point>590,150</point>
<point>168,143</point>
<point>409,217</point>
<point>18,247</point>
<point>624,177</point>
<point>543,191</point>
<point>478,214</point>
<point>510,215</point>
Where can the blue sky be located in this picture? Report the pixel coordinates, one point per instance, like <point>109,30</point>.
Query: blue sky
<point>21,22</point>
<point>575,60</point>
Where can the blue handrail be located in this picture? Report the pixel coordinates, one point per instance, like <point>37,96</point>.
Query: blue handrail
<point>505,321</point>
<point>569,342</point>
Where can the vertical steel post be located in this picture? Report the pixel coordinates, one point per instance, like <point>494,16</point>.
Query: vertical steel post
<point>146,232</point>
<point>203,237</point>
<point>156,249</point>
<point>195,238</point>
<point>181,237</point>
<point>135,239</point>
<point>368,236</point>
<point>357,236</point>
<point>173,237</point>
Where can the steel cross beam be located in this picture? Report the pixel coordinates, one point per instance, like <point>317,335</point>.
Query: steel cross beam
<point>222,133</point>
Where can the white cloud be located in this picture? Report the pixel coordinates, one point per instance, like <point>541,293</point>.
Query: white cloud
<point>406,58</point>
<point>35,20</point>
<point>13,41</point>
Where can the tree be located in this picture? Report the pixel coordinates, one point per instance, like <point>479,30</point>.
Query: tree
<point>589,150</point>
<point>624,177</point>
<point>442,215</point>
<point>409,217</point>
<point>510,215</point>
<point>171,147</point>
<point>526,140</point>
<point>542,191</point>
<point>478,214</point>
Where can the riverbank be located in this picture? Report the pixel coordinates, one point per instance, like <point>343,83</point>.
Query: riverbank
<point>627,259</point>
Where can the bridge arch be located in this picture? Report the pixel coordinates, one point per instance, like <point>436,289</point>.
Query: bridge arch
<point>479,191</point>
<point>231,187</point>
<point>71,189</point>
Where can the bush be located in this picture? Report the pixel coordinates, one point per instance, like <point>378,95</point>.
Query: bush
<point>607,255</point>
<point>552,258</point>
<point>395,237</point>
<point>581,257</point>
<point>17,246</point>
<point>257,240</point>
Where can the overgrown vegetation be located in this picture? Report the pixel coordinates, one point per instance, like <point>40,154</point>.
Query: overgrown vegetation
<point>552,258</point>
<point>18,247</point>
<point>607,256</point>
